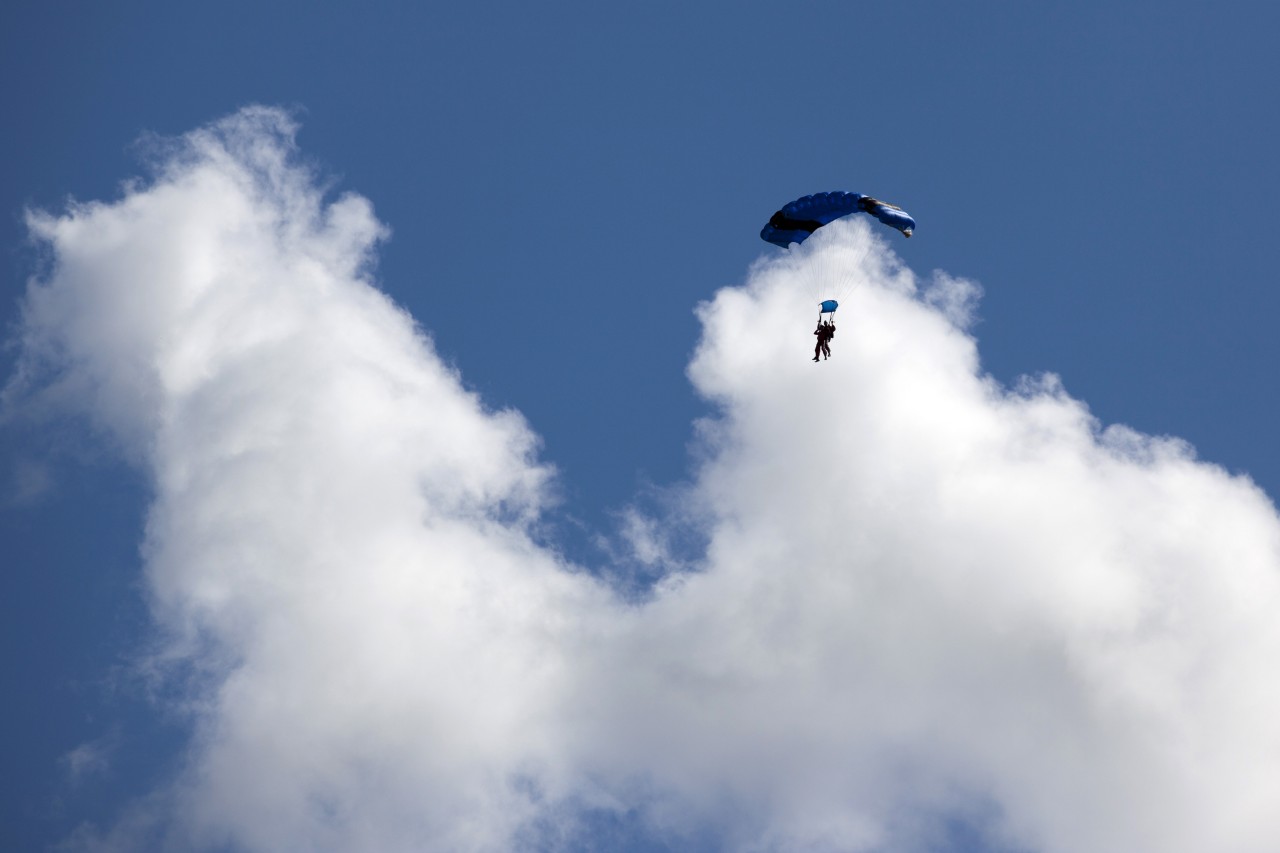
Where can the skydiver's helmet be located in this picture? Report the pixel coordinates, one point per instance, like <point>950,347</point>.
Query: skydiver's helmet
<point>906,232</point>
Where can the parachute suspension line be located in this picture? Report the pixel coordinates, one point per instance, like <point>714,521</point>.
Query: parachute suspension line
<point>823,273</point>
<point>829,266</point>
<point>834,268</point>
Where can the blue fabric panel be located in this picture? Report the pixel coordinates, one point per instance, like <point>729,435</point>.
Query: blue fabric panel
<point>800,218</point>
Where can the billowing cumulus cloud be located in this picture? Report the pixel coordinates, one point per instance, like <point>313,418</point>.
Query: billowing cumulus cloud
<point>924,598</point>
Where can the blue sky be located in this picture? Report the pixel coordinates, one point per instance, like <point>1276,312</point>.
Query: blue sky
<point>562,188</point>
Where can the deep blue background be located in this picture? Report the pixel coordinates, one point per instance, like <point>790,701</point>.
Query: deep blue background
<point>565,181</point>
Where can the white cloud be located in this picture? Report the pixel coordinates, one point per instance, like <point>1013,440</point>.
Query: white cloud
<point>924,596</point>
<point>89,759</point>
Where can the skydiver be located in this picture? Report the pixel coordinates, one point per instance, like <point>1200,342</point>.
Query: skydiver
<point>824,333</point>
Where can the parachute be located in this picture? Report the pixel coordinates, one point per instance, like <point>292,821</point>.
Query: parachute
<point>800,218</point>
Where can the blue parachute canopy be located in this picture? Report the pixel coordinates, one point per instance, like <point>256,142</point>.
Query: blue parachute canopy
<point>797,220</point>
<point>829,306</point>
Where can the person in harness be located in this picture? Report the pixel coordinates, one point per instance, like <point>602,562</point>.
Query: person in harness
<point>825,332</point>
